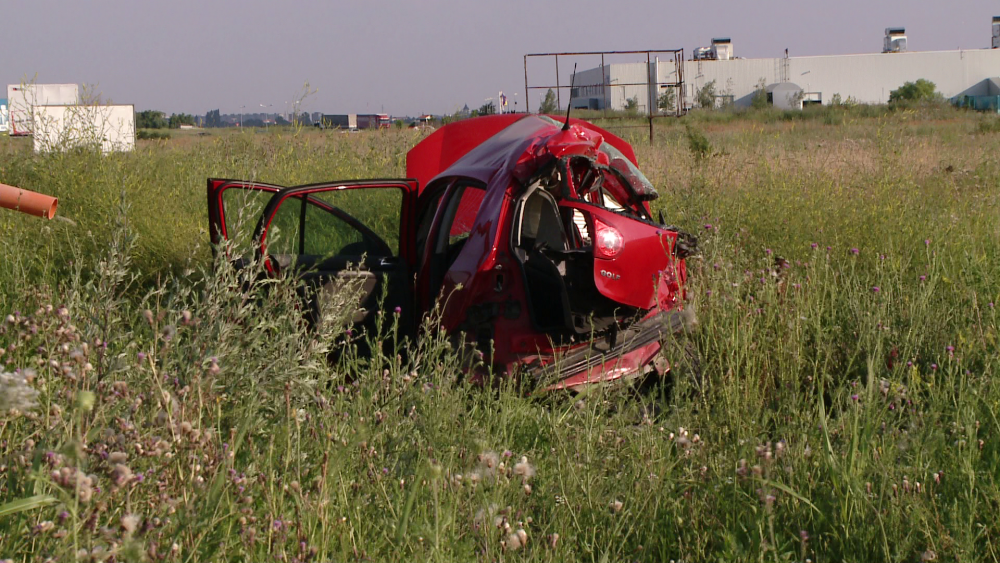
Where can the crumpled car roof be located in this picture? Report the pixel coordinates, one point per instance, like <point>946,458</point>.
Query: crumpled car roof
<point>485,147</point>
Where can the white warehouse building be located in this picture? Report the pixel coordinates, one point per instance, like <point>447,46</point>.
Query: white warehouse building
<point>791,81</point>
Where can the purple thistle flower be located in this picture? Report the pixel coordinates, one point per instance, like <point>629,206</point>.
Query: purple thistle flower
<point>813,246</point>
<point>949,349</point>
<point>708,226</point>
<point>854,398</point>
<point>876,289</point>
<point>855,251</point>
<point>141,356</point>
<point>767,251</point>
<point>934,367</point>
<point>923,278</point>
<point>927,242</point>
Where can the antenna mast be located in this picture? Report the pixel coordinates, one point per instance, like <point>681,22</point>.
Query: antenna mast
<point>569,106</point>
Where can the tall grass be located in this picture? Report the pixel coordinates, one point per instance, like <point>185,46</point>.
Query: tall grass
<point>836,401</point>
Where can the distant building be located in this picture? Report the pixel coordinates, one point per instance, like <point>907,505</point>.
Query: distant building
<point>793,81</point>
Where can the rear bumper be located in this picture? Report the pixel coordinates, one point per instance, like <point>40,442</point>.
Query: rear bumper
<point>630,357</point>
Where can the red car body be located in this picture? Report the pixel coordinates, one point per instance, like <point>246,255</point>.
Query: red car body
<point>535,235</point>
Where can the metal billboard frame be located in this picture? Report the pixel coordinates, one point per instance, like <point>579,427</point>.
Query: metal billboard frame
<point>677,54</point>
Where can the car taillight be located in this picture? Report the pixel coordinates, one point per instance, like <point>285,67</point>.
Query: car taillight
<point>608,240</point>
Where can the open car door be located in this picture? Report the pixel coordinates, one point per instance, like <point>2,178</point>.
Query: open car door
<point>344,234</point>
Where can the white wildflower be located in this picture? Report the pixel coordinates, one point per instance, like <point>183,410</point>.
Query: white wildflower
<point>524,469</point>
<point>129,523</point>
<point>489,459</point>
<point>15,393</point>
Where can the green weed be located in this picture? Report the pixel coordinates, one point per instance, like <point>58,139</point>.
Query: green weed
<point>836,402</point>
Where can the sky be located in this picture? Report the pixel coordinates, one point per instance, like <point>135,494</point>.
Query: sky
<point>423,56</point>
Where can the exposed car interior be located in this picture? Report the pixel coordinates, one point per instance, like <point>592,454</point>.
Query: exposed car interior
<point>553,245</point>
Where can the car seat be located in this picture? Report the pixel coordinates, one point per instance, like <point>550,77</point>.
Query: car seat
<point>541,228</point>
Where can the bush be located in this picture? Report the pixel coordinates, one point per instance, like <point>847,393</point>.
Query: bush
<point>632,105</point>
<point>759,99</point>
<point>706,95</point>
<point>697,143</point>
<point>920,91</point>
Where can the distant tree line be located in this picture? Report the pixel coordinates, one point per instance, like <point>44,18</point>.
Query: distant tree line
<point>152,119</point>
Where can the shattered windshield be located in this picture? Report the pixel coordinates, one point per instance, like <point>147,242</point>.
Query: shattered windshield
<point>642,186</point>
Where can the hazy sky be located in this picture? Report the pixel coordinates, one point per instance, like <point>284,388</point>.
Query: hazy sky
<point>429,56</point>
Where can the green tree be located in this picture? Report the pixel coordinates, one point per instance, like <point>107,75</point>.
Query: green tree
<point>920,91</point>
<point>150,119</point>
<point>487,109</point>
<point>667,101</point>
<point>214,119</point>
<point>178,119</point>
<point>706,95</point>
<point>549,103</point>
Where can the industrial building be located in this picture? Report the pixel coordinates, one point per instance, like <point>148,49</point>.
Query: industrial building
<point>791,82</point>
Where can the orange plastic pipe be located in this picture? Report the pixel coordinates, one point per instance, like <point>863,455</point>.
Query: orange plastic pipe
<point>32,203</point>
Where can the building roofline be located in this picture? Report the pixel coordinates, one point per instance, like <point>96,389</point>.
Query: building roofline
<point>901,54</point>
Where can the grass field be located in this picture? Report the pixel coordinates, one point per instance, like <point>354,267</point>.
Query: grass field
<point>837,401</point>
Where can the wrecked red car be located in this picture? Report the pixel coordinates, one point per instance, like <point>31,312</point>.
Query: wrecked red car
<point>535,235</point>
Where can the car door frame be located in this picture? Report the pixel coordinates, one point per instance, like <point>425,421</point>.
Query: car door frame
<point>217,228</point>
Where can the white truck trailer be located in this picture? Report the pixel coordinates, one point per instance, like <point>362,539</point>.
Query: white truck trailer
<point>23,98</point>
<point>108,127</point>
